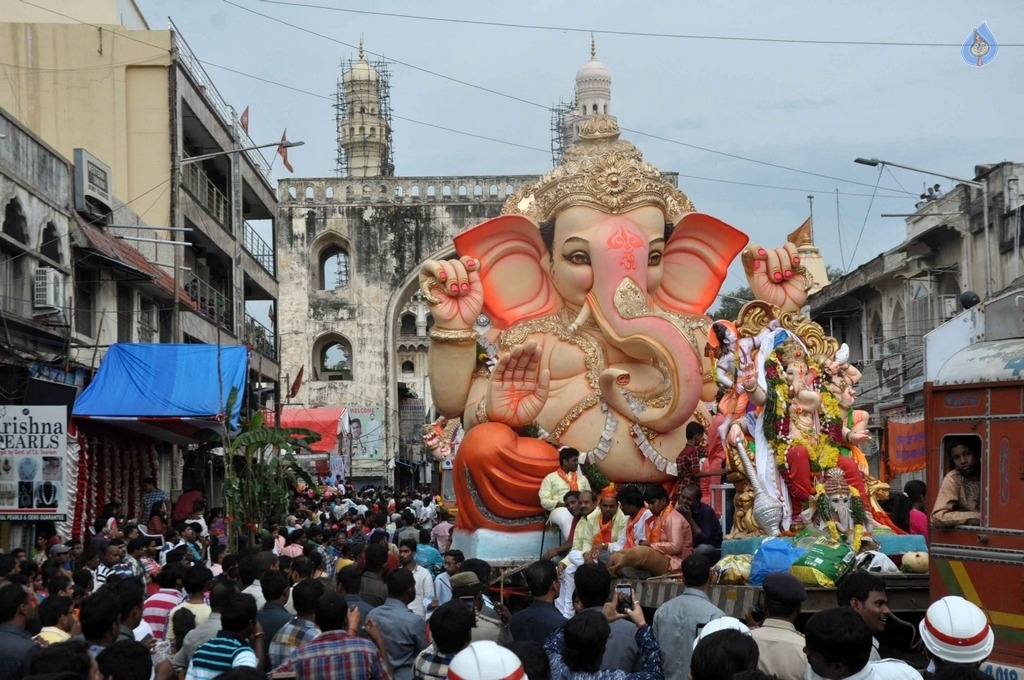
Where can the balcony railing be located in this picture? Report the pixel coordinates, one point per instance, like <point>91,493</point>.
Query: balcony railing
<point>260,250</point>
<point>260,338</point>
<point>191,62</point>
<point>198,184</point>
<point>210,302</point>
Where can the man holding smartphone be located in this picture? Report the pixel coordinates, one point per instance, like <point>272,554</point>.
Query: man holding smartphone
<point>678,621</point>
<point>581,648</point>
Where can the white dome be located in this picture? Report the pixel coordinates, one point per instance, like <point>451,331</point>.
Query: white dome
<point>593,70</point>
<point>360,71</point>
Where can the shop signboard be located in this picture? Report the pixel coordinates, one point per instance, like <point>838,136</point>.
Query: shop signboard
<point>33,444</point>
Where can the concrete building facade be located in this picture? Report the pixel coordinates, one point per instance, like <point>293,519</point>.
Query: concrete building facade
<point>151,114</point>
<point>352,317</point>
<point>883,309</point>
<point>183,249</point>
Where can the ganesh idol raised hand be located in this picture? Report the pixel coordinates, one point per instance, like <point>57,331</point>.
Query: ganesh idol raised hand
<point>594,284</point>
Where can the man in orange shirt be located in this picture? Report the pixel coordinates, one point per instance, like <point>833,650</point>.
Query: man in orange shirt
<point>668,542</point>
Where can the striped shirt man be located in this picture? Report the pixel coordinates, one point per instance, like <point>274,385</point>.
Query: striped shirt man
<point>220,655</point>
<point>158,606</point>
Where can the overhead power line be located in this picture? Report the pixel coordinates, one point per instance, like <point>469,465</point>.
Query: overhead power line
<point>640,34</point>
<point>121,34</point>
<point>548,151</point>
<point>471,85</point>
<point>545,107</point>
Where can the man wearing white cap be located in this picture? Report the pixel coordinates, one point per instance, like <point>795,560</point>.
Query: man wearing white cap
<point>956,631</point>
<point>486,660</point>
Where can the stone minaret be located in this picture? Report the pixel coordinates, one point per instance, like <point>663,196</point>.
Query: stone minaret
<point>593,96</point>
<point>363,130</point>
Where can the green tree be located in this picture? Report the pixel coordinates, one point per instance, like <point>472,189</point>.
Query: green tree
<point>834,272</point>
<point>261,473</point>
<point>730,303</point>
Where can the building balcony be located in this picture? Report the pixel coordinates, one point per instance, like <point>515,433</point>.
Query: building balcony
<point>211,304</point>
<point>206,193</point>
<point>260,338</point>
<point>260,250</point>
<point>188,59</point>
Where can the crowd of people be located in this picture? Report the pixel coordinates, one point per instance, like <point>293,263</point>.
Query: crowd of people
<point>365,584</point>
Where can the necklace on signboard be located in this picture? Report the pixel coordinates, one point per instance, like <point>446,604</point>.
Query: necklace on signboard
<point>48,493</point>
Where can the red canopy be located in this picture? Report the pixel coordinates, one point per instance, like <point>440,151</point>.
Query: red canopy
<point>325,421</point>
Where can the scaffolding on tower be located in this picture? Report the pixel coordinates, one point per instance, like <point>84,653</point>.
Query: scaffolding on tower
<point>342,115</point>
<point>561,135</point>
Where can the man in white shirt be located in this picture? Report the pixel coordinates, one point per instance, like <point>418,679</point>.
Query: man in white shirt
<point>554,487</point>
<point>424,582</point>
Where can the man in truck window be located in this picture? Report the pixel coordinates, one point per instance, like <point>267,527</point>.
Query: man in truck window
<point>959,497</point>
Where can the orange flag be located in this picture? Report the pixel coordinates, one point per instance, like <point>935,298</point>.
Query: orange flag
<point>282,151</point>
<point>804,234</point>
<point>297,384</point>
<point>244,120</point>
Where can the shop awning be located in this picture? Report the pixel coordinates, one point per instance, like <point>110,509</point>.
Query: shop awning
<point>170,392</point>
<point>98,243</point>
<point>327,422</point>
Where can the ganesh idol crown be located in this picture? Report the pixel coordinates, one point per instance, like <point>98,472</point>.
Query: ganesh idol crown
<point>596,281</point>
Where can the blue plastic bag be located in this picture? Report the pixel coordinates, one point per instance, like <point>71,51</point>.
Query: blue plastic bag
<point>774,555</point>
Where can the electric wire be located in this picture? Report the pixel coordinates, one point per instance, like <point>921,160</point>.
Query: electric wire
<point>464,83</point>
<point>867,213</point>
<point>542,106</point>
<point>839,232</point>
<point>640,34</point>
<point>545,151</point>
<point>104,29</point>
<point>331,98</point>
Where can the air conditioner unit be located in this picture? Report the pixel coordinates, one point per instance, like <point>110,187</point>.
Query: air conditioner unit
<point>48,289</point>
<point>949,306</point>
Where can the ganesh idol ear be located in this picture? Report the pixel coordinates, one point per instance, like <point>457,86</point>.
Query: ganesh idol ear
<point>696,262</point>
<point>515,281</point>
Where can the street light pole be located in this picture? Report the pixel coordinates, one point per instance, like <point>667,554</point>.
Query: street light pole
<point>983,185</point>
<point>205,156</point>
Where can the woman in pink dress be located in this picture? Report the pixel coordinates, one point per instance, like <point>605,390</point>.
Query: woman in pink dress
<point>917,492</point>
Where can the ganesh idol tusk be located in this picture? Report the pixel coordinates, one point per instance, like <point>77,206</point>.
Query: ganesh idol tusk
<point>581,318</point>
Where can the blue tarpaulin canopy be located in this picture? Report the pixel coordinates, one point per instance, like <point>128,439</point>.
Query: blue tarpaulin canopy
<point>166,391</point>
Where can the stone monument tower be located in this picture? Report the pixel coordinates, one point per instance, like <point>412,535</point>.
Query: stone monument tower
<point>364,126</point>
<point>593,95</point>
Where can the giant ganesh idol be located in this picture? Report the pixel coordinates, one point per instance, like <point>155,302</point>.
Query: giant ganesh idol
<point>595,281</point>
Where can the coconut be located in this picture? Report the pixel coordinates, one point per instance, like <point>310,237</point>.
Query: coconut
<point>915,562</point>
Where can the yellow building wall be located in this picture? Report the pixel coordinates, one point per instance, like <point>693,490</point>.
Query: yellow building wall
<point>113,12</point>
<point>148,140</point>
<point>102,90</point>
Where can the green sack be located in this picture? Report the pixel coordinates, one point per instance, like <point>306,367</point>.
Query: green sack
<point>806,538</point>
<point>824,563</point>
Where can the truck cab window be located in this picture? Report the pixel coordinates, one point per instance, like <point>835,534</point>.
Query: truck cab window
<point>959,497</point>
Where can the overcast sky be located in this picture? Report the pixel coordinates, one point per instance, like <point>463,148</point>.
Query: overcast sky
<point>810,107</point>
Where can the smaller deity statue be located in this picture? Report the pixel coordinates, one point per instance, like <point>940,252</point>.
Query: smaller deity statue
<point>839,509</point>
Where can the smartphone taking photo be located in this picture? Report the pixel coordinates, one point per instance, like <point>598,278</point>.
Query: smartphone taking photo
<point>624,603</point>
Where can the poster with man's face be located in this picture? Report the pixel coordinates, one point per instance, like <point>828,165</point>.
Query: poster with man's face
<point>366,432</point>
